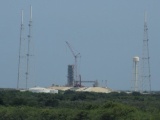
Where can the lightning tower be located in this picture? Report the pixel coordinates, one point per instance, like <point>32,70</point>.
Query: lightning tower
<point>28,47</point>
<point>146,76</point>
<point>21,60</point>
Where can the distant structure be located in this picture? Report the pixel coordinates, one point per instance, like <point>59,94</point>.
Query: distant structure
<point>21,57</point>
<point>24,55</point>
<point>146,76</point>
<point>135,84</point>
<point>28,55</point>
<point>75,55</point>
<point>70,76</point>
<point>42,90</point>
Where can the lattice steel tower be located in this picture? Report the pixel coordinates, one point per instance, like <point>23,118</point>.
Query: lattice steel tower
<point>146,76</point>
<point>28,47</point>
<point>21,57</point>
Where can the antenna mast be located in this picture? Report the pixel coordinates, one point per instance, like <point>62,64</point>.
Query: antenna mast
<point>20,50</point>
<point>146,76</point>
<point>28,47</point>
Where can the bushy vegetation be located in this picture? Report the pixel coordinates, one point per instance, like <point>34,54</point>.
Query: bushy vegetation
<point>70,105</point>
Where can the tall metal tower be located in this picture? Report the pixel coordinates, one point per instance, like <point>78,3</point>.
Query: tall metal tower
<point>21,60</point>
<point>146,76</point>
<point>28,47</point>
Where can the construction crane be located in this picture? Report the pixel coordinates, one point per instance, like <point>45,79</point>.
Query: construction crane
<point>75,55</point>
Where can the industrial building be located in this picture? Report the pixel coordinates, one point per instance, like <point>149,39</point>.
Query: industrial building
<point>42,90</point>
<point>70,76</point>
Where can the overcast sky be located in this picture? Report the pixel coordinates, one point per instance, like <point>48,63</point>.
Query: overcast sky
<point>107,33</point>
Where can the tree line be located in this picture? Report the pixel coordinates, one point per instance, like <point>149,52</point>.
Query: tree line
<point>71,105</point>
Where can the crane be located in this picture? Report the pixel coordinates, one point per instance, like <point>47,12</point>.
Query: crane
<point>75,55</point>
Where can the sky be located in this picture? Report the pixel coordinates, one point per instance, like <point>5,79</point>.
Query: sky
<point>107,34</point>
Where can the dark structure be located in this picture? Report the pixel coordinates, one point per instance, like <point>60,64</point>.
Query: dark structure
<point>70,75</point>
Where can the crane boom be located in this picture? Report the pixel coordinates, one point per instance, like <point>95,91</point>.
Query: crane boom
<point>71,49</point>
